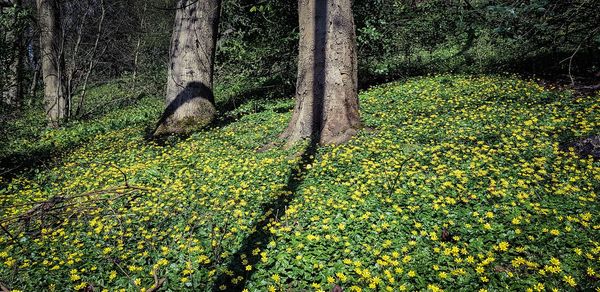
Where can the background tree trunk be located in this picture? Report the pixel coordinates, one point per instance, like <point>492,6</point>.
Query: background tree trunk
<point>190,101</point>
<point>326,91</point>
<point>55,102</point>
<point>14,93</point>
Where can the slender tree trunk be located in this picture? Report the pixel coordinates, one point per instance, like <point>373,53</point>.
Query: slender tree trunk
<point>92,60</point>
<point>71,66</point>
<point>137,47</point>
<point>190,101</point>
<point>55,102</point>
<point>326,107</point>
<point>14,94</point>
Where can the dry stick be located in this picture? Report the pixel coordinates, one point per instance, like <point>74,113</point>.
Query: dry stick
<point>92,57</point>
<point>3,288</point>
<point>571,62</point>
<point>123,271</point>
<point>157,282</point>
<point>573,55</point>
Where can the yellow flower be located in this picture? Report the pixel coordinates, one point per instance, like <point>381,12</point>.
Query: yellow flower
<point>443,275</point>
<point>503,246</point>
<point>569,280</point>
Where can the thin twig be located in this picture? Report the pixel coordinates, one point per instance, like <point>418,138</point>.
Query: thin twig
<point>10,235</point>
<point>157,282</point>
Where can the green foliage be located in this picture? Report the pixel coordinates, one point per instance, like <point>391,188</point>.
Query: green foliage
<point>462,183</point>
<point>405,38</point>
<point>25,139</point>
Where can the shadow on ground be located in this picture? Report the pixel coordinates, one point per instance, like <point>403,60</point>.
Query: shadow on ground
<point>259,238</point>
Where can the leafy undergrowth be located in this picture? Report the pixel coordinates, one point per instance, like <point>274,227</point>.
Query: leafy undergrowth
<point>459,183</point>
<point>26,141</point>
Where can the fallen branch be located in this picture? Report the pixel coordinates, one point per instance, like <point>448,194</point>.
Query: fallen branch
<point>59,207</point>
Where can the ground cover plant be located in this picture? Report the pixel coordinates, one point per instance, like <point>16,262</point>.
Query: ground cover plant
<point>456,182</point>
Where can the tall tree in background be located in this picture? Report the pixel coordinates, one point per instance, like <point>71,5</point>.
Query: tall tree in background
<point>13,93</point>
<point>326,90</point>
<point>190,100</point>
<point>55,101</point>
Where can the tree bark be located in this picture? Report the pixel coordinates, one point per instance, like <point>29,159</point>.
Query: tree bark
<point>55,102</point>
<point>326,107</point>
<point>190,101</point>
<point>14,93</point>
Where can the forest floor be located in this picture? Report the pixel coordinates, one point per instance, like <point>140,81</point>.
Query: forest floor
<point>461,183</point>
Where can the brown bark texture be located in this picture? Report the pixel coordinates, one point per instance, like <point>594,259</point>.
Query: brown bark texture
<point>55,101</point>
<point>190,101</point>
<point>326,108</point>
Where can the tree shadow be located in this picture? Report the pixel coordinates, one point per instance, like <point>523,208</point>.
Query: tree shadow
<point>260,235</point>
<point>22,163</point>
<point>274,210</point>
<point>224,116</point>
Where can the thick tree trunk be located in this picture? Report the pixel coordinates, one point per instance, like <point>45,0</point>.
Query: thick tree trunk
<point>55,102</point>
<point>326,91</point>
<point>190,101</point>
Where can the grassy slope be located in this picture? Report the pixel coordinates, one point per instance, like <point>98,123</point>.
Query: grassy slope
<point>461,185</point>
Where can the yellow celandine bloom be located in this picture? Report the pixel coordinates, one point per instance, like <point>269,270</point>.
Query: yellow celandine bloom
<point>443,275</point>
<point>80,286</point>
<point>434,288</point>
<point>569,280</point>
<point>503,246</point>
